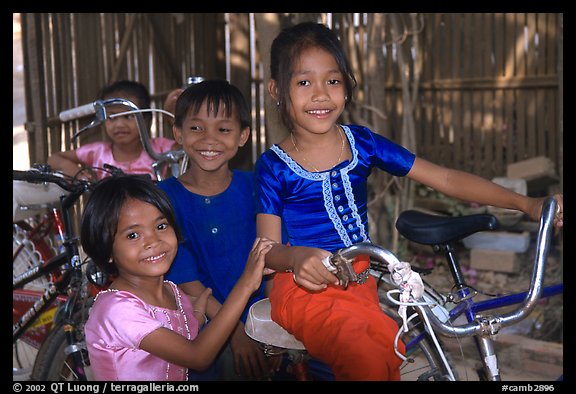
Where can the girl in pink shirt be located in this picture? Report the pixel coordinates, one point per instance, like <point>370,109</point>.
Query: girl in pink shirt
<point>143,327</point>
<point>99,153</point>
<point>123,148</point>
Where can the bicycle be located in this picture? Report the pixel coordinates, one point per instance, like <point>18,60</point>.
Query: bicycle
<point>435,313</point>
<point>37,233</point>
<point>60,298</point>
<point>432,312</point>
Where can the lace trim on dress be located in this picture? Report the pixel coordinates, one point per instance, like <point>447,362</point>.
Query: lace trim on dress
<point>348,186</point>
<point>324,176</point>
<point>331,210</point>
<point>315,176</point>
<point>353,206</point>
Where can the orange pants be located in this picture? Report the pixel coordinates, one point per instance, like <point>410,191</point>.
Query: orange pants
<point>344,328</point>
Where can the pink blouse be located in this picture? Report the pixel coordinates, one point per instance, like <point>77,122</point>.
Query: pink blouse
<point>98,153</point>
<point>117,324</point>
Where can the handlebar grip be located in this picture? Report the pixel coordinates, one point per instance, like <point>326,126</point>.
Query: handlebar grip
<point>39,177</point>
<point>78,112</point>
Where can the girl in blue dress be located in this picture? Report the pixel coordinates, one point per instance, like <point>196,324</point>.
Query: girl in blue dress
<point>314,184</point>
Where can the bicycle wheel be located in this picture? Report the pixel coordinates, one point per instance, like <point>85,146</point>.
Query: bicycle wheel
<point>52,362</point>
<point>428,362</point>
<point>25,257</point>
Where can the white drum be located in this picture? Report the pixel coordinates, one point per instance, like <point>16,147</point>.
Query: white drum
<point>29,199</point>
<point>260,327</point>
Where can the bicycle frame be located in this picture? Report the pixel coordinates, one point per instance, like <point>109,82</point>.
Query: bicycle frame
<point>41,323</point>
<point>69,261</point>
<point>54,290</point>
<point>68,284</point>
<point>470,309</point>
<point>529,301</point>
<point>481,328</point>
<point>33,328</point>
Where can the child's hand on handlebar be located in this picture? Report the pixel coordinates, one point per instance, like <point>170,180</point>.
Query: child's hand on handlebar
<point>86,174</point>
<point>535,209</point>
<point>559,216</point>
<point>309,269</point>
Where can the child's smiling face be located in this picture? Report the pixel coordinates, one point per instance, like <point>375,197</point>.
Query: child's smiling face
<point>145,243</point>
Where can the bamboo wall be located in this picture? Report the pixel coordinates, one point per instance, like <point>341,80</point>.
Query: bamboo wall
<point>483,89</point>
<point>471,91</point>
<point>489,90</point>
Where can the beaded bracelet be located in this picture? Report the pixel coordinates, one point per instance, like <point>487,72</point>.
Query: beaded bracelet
<point>203,314</point>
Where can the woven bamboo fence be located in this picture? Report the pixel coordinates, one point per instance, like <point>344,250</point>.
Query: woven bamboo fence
<point>472,91</point>
<point>483,88</point>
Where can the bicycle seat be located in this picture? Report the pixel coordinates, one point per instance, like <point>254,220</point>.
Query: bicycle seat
<point>260,327</point>
<point>429,229</point>
<point>29,199</point>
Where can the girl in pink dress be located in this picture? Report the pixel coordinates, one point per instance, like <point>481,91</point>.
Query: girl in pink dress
<point>143,327</point>
<point>123,147</point>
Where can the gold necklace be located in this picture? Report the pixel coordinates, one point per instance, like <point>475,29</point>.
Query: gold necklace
<point>310,164</point>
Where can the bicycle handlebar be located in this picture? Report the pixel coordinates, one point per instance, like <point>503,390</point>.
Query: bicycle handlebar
<point>41,173</point>
<point>98,108</point>
<point>41,176</point>
<point>543,241</point>
<point>78,112</point>
<point>490,324</point>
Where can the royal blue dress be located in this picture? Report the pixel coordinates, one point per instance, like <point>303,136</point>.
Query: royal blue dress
<point>327,209</point>
<point>343,328</point>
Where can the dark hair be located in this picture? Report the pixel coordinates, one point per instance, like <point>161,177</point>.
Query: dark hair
<point>99,222</point>
<point>287,47</point>
<point>125,88</point>
<point>214,92</point>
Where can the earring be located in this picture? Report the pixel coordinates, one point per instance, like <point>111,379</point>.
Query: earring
<point>345,98</point>
<point>277,103</point>
<point>110,261</point>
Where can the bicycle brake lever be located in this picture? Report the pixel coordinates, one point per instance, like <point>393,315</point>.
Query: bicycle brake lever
<point>342,269</point>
